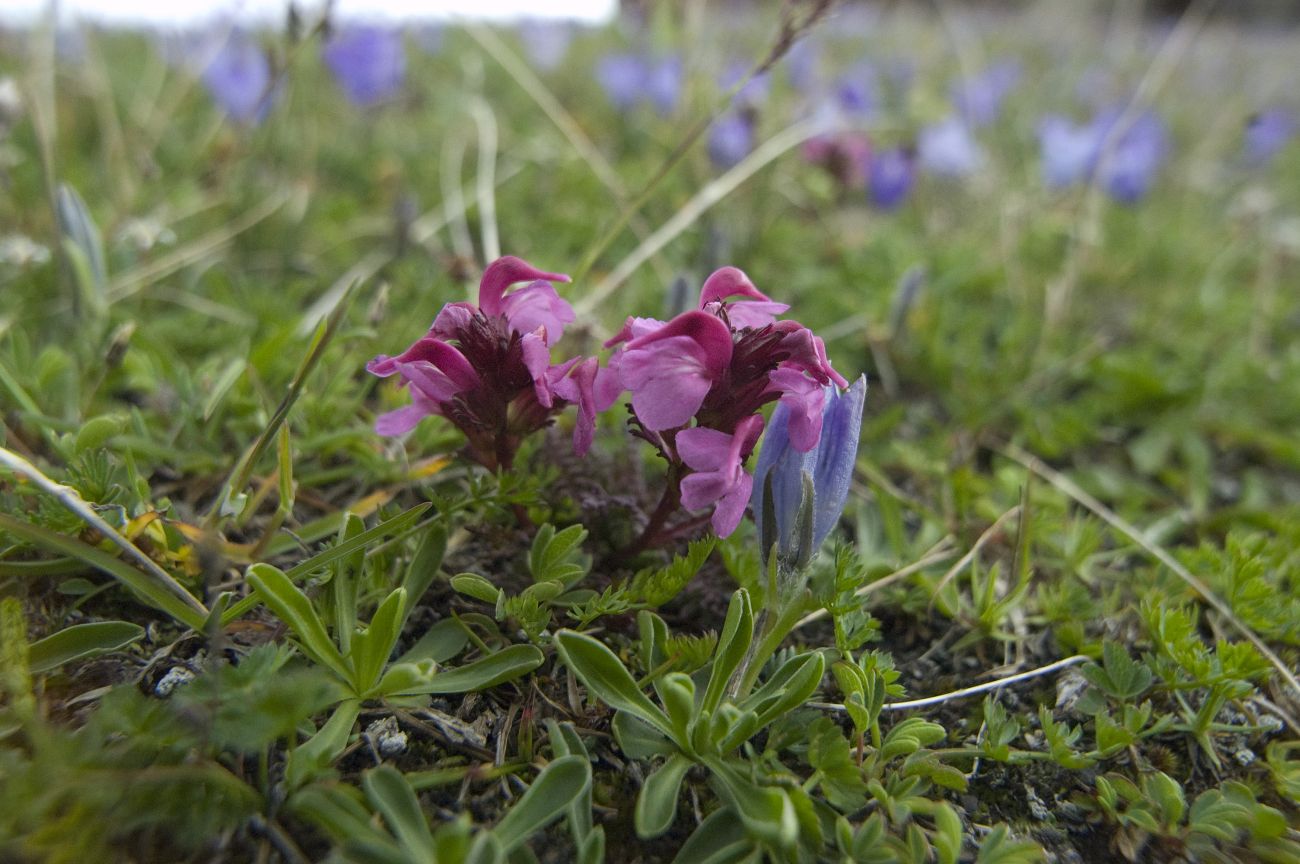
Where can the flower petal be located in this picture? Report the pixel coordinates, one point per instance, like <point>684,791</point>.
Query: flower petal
<point>729,282</point>
<point>534,306</point>
<point>504,272</point>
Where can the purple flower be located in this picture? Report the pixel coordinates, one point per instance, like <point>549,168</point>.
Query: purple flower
<point>545,42</point>
<point>829,466</point>
<point>622,77</point>
<point>846,156</point>
<point>369,63</point>
<point>730,139</point>
<point>486,367</point>
<point>978,99</point>
<point>664,86</point>
<point>755,91</point>
<point>1068,151</point>
<point>948,149</point>
<point>858,92</point>
<point>239,79</point>
<point>890,176</point>
<point>1129,160</point>
<point>802,62</point>
<point>717,462</point>
<point>1267,133</point>
<point>671,370</point>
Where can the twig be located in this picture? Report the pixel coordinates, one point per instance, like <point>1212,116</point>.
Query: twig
<point>1110,517</point>
<point>975,690</point>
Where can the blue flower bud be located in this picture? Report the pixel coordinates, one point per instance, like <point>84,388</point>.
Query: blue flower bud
<point>829,466</point>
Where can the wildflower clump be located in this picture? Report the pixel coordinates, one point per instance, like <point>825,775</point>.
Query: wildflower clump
<point>487,368</point>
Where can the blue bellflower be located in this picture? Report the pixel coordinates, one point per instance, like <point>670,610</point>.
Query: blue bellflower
<point>890,175</point>
<point>238,77</point>
<point>828,467</point>
<point>1267,133</point>
<point>369,63</point>
<point>947,149</point>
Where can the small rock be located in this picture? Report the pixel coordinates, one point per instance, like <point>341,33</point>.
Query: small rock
<point>386,737</point>
<point>1244,756</point>
<point>1070,687</point>
<point>177,676</point>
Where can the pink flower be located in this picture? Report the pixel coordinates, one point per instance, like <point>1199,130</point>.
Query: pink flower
<point>720,479</point>
<point>673,368</point>
<point>487,367</point>
<point>758,311</point>
<point>593,390</point>
<point>536,305</point>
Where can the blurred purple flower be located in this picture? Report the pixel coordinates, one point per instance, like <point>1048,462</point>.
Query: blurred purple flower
<point>1124,162</point>
<point>545,42</point>
<point>802,64</point>
<point>846,156</point>
<point>622,77</point>
<point>629,79</point>
<point>1128,164</point>
<point>978,99</point>
<point>889,177</point>
<point>754,93</point>
<point>731,139</point>
<point>664,86</point>
<point>238,77</point>
<point>948,149</point>
<point>1267,133</point>
<point>369,63</point>
<point>858,91</point>
<point>1068,151</point>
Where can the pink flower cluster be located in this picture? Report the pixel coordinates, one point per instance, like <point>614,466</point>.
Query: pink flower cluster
<point>487,367</point>
<point>697,382</point>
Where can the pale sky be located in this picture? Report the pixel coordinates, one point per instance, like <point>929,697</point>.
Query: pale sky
<point>173,12</point>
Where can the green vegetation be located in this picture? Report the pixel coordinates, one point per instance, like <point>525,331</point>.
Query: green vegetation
<point>236,624</point>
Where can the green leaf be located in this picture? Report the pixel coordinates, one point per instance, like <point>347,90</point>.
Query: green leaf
<point>554,790</point>
<point>789,687</point>
<point>372,647</point>
<point>639,739</point>
<point>656,804</point>
<point>424,565</point>
<point>474,585</point>
<point>733,645</point>
<point>767,811</point>
<point>393,797</point>
<point>292,607</point>
<point>337,811</point>
<point>96,432</point>
<point>677,693</point>
<point>441,642</point>
<point>343,584</point>
<point>549,559</point>
<point>81,640</point>
<point>313,757</point>
<point>608,679</point>
<point>720,839</point>
<point>999,847</point>
<point>496,668</point>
